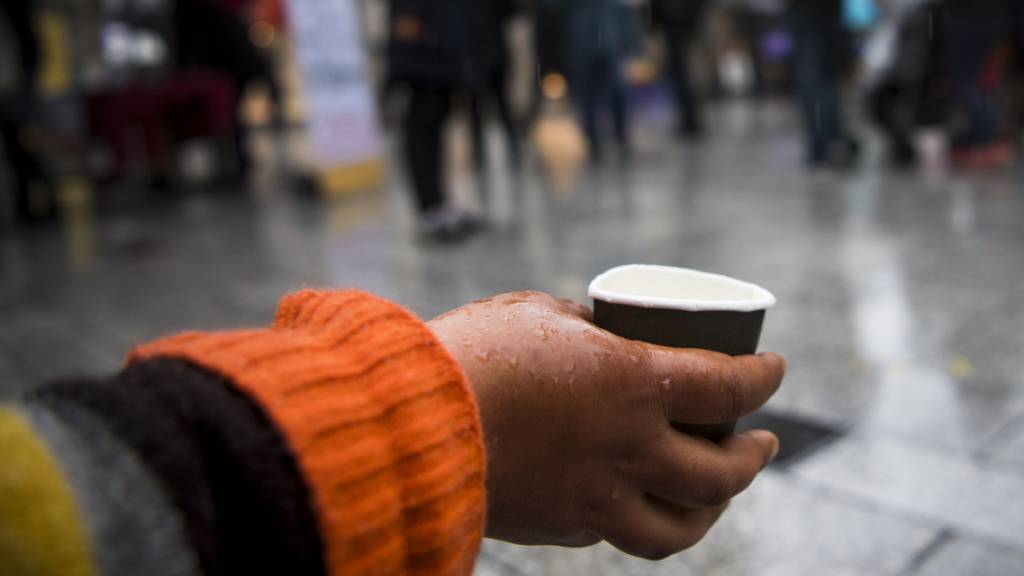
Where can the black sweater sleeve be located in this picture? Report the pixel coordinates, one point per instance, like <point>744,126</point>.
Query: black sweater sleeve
<point>220,460</point>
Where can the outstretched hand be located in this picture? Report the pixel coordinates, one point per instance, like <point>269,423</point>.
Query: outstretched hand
<point>578,426</point>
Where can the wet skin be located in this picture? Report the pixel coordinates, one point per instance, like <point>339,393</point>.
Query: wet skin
<point>578,426</point>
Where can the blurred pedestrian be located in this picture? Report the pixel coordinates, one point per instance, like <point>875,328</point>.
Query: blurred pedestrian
<point>680,21</point>
<point>820,53</point>
<point>602,36</point>
<point>214,35</point>
<point>495,88</point>
<point>974,31</point>
<point>904,74</point>
<point>437,49</point>
<point>19,63</point>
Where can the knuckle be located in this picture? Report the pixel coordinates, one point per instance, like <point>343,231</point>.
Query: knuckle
<point>529,296</point>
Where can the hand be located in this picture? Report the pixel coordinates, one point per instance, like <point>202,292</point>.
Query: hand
<point>577,426</point>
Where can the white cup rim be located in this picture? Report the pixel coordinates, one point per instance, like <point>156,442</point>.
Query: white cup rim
<point>760,299</point>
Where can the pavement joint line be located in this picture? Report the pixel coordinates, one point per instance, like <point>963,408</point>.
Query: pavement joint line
<point>943,537</point>
<point>843,496</point>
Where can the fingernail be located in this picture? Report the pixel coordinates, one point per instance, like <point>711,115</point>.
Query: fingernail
<point>775,451</point>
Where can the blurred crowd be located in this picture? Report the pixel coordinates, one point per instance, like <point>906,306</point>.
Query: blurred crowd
<point>168,72</point>
<point>127,85</point>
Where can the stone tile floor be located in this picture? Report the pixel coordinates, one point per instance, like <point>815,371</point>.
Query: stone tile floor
<point>901,312</point>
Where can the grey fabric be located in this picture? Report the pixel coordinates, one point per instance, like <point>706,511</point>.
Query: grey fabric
<point>133,528</point>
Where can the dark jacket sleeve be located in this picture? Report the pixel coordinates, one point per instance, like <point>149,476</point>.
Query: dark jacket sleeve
<point>215,456</point>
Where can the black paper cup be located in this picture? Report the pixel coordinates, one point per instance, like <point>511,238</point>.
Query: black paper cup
<point>682,308</point>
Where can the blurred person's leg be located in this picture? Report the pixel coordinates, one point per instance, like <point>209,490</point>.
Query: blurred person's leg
<point>618,94</point>
<point>424,123</point>
<point>975,29</point>
<point>28,172</point>
<point>478,128</point>
<point>500,88</point>
<point>677,43</point>
<point>438,219</point>
<point>10,135</point>
<point>494,93</point>
<point>981,111</point>
<point>227,47</point>
<point>587,84</point>
<point>818,65</point>
<point>813,95</point>
<point>892,109</point>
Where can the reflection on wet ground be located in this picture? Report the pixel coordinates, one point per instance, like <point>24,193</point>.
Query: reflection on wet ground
<point>900,313</point>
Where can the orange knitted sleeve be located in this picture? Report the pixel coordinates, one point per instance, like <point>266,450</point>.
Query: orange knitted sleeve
<point>380,419</point>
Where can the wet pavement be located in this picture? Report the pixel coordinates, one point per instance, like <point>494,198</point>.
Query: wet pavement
<point>901,312</point>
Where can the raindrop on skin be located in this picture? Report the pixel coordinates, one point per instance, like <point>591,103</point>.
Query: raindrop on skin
<point>616,494</point>
<point>666,383</point>
<point>543,332</point>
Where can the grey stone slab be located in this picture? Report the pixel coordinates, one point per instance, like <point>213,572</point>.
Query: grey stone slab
<point>55,344</point>
<point>978,558</point>
<point>942,486</point>
<point>16,376</point>
<point>777,527</point>
<point>1007,445</point>
<point>943,415</point>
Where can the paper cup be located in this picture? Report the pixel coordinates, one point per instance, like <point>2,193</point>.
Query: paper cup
<point>682,308</point>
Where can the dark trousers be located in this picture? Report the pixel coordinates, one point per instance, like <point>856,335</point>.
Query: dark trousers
<point>495,90</point>
<point>896,111</point>
<point>678,40</point>
<point>598,77</point>
<point>818,64</point>
<point>424,154</point>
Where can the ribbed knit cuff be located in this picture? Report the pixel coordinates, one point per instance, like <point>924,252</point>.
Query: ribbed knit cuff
<point>380,419</point>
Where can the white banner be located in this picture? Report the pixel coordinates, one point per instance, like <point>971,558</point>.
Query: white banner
<point>342,117</point>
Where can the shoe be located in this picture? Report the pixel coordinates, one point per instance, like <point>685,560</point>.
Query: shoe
<point>842,154</point>
<point>838,155</point>
<point>447,224</point>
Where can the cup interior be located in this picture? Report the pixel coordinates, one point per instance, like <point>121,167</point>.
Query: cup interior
<point>679,289</point>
